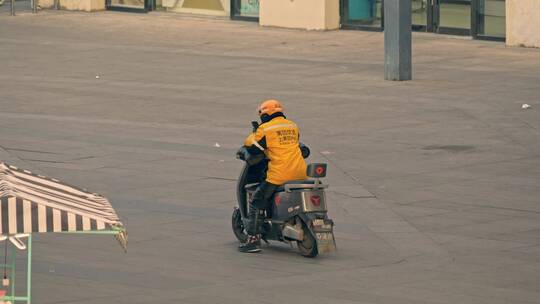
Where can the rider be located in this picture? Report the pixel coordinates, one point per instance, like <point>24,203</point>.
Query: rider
<point>278,138</point>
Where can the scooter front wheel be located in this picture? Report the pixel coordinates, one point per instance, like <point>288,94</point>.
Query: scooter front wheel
<point>308,246</point>
<point>238,226</point>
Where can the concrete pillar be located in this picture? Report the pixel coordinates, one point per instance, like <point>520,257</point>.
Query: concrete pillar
<point>397,40</point>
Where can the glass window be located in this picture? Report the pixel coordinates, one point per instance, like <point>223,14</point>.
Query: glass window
<point>492,18</point>
<point>362,12</point>
<point>214,5</point>
<point>419,12</point>
<point>246,8</point>
<point>455,14</point>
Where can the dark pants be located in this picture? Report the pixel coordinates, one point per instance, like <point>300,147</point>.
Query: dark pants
<point>260,201</point>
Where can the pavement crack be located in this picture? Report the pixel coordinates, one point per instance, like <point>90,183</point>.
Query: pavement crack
<point>383,264</point>
<point>83,158</point>
<point>44,161</point>
<point>29,150</point>
<point>352,177</point>
<point>352,196</point>
<point>453,168</point>
<point>219,178</point>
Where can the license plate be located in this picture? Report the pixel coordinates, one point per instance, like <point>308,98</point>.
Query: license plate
<point>325,242</point>
<point>318,222</point>
<point>320,225</point>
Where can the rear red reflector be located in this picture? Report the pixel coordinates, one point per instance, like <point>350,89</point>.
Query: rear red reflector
<point>315,200</point>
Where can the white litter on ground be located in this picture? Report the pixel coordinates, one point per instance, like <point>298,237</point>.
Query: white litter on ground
<point>525,106</point>
<point>97,76</point>
<point>326,152</point>
<point>217,145</point>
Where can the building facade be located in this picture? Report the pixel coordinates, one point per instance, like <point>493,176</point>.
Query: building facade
<point>515,21</point>
<point>477,18</point>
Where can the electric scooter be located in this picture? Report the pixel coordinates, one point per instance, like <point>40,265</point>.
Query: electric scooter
<point>298,213</point>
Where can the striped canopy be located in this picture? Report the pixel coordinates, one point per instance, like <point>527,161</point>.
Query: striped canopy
<point>32,203</point>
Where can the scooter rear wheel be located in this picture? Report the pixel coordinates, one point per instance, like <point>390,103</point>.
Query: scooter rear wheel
<point>238,226</point>
<point>308,246</point>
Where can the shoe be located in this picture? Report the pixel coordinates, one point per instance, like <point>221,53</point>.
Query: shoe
<point>253,245</point>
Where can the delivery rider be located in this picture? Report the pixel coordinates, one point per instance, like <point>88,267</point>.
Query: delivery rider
<point>278,138</point>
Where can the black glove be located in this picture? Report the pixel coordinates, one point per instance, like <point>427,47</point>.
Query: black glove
<point>240,154</point>
<point>255,125</point>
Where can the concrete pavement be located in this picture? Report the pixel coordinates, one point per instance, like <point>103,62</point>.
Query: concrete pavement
<point>434,183</point>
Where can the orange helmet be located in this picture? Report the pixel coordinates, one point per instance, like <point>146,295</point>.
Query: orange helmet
<point>270,107</point>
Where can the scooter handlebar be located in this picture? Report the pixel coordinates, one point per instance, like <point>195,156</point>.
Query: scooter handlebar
<point>242,153</point>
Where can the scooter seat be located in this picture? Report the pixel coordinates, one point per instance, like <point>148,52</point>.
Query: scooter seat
<point>307,181</point>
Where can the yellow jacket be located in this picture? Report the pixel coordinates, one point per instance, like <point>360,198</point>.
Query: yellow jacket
<point>278,138</point>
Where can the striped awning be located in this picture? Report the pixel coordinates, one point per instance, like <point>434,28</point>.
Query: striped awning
<point>32,203</point>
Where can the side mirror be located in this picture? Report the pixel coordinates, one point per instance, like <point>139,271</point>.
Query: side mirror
<point>305,150</point>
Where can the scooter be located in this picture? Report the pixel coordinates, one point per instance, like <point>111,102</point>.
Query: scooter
<point>298,213</point>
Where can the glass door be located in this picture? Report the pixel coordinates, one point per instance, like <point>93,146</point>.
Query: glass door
<point>490,20</point>
<point>442,16</point>
<point>421,13</point>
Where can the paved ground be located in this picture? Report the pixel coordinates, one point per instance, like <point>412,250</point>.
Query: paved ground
<point>434,183</point>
